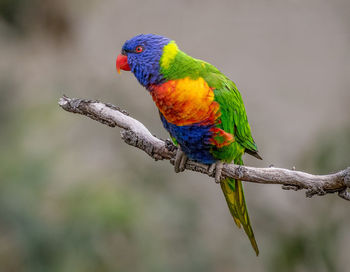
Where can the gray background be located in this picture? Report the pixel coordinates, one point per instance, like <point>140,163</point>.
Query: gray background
<point>74,197</point>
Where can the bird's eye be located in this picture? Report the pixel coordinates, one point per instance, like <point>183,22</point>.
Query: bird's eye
<point>139,49</point>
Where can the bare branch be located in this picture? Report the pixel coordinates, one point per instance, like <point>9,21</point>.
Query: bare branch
<point>136,134</point>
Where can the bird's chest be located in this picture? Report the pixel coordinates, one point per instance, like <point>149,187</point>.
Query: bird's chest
<point>186,101</point>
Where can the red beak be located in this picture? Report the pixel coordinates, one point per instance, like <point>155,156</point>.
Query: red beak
<point>122,63</point>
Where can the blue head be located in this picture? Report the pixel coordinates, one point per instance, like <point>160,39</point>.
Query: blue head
<point>141,55</point>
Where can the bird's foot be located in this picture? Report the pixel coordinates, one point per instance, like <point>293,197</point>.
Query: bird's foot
<point>217,167</point>
<point>180,161</point>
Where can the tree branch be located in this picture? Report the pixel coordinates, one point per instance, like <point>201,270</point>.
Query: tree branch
<point>136,134</point>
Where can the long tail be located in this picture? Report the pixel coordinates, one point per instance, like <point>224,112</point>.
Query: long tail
<point>233,191</point>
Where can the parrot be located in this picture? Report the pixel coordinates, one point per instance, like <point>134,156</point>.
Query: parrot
<point>200,107</point>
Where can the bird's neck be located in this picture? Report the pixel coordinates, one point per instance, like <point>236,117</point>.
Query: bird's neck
<point>176,64</point>
<point>173,64</point>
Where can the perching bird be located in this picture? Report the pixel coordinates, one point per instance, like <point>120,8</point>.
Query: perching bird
<point>201,109</point>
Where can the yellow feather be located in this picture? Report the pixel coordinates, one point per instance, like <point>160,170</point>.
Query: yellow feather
<point>169,53</point>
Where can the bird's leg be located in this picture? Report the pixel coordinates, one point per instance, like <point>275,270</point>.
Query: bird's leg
<point>218,171</point>
<point>211,168</point>
<point>180,160</point>
<point>217,166</point>
<point>183,162</point>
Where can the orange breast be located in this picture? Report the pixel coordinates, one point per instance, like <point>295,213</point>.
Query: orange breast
<point>186,101</point>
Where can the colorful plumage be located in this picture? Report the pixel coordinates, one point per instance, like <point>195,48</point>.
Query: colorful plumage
<point>200,107</point>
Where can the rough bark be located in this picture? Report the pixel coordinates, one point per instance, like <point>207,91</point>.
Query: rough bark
<point>136,134</point>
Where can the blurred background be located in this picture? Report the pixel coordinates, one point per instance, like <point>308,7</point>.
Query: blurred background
<point>74,197</point>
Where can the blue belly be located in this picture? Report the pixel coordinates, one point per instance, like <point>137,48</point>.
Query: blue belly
<point>193,139</point>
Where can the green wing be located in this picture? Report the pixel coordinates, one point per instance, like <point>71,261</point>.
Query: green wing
<point>233,115</point>
<point>233,120</point>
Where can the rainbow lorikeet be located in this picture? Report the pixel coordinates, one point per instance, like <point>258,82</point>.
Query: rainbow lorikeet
<point>201,109</point>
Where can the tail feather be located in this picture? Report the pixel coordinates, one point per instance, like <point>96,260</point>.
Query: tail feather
<point>233,191</point>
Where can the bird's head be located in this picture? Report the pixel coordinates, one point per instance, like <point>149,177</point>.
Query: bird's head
<point>141,55</point>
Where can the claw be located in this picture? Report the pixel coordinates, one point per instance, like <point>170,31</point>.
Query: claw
<point>217,166</point>
<point>180,161</point>
<point>211,168</point>
<point>183,163</point>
